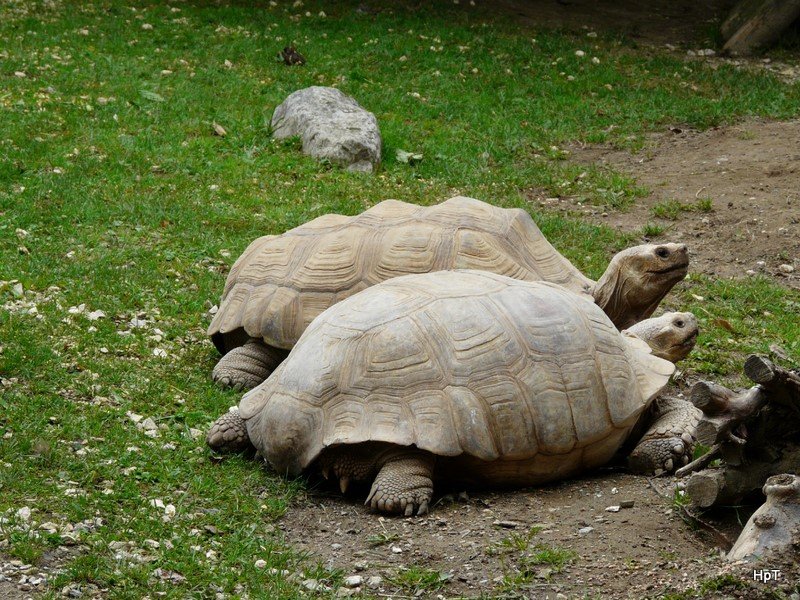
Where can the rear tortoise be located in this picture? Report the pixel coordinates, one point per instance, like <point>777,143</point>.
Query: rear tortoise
<point>464,377</point>
<point>280,283</point>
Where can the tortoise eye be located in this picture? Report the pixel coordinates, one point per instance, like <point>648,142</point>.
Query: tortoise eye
<point>680,323</point>
<point>662,252</point>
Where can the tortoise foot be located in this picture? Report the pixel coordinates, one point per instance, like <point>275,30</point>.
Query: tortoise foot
<point>404,484</point>
<point>245,367</point>
<point>669,443</point>
<point>228,434</point>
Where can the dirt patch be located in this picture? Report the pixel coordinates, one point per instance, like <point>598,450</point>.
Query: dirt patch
<point>656,22</point>
<point>491,543</point>
<point>731,193</point>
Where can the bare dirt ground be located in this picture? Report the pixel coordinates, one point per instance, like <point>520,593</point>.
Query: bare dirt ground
<point>751,174</point>
<point>482,547</point>
<point>655,22</point>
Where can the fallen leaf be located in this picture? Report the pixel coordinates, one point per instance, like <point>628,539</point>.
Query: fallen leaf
<point>408,158</point>
<point>152,96</point>
<point>219,129</point>
<point>724,324</point>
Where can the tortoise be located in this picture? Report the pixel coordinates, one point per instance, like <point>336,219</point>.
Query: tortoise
<point>464,376</point>
<point>280,283</point>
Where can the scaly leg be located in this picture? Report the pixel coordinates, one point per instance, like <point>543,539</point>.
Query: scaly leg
<point>229,434</point>
<point>245,367</point>
<point>404,483</point>
<point>669,442</point>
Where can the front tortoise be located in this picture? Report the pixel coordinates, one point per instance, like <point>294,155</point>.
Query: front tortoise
<point>280,283</point>
<point>462,377</point>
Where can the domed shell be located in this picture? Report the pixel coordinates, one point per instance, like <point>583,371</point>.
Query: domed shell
<point>458,363</point>
<point>280,283</point>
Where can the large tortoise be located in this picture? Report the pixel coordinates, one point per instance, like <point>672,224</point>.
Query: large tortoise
<point>280,283</point>
<point>465,377</point>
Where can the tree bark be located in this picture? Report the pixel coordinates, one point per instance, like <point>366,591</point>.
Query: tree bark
<point>762,22</point>
<point>729,485</point>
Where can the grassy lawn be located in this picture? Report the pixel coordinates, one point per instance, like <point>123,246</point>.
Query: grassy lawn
<point>116,196</point>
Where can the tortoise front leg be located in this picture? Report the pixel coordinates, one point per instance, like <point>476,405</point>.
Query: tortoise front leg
<point>229,434</point>
<point>404,483</point>
<point>669,442</point>
<point>245,367</point>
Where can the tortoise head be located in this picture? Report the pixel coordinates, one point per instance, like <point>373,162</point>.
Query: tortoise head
<point>670,336</point>
<point>637,279</point>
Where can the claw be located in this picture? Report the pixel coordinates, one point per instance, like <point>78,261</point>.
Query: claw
<point>678,449</point>
<point>344,483</point>
<point>687,438</point>
<point>423,508</point>
<point>668,464</point>
<point>368,501</point>
<point>326,472</point>
<point>409,509</point>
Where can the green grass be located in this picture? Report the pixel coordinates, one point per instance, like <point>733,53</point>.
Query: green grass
<point>417,580</point>
<point>671,209</point>
<point>116,194</point>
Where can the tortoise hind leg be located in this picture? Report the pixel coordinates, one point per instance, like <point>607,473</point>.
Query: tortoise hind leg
<point>669,442</point>
<point>245,367</point>
<point>229,434</point>
<point>404,483</point>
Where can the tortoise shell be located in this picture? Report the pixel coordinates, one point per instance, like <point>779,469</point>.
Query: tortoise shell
<point>465,364</point>
<point>280,283</point>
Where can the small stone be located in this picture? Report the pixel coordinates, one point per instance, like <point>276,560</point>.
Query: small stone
<point>374,582</point>
<point>149,424</point>
<point>353,581</point>
<point>311,584</point>
<point>784,268</point>
<point>626,504</point>
<point>580,53</point>
<point>397,550</point>
<point>613,509</point>
<point>507,524</point>
<point>585,530</point>
<point>24,514</point>
<point>336,546</point>
<point>260,563</point>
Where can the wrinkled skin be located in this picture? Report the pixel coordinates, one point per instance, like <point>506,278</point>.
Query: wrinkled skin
<point>637,279</point>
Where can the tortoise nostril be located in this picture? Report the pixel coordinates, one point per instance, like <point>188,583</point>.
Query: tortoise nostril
<point>662,252</point>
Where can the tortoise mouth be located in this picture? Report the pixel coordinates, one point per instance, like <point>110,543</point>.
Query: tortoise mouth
<point>689,341</point>
<point>681,266</point>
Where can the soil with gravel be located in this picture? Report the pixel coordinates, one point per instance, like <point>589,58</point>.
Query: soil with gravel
<point>490,544</point>
<point>750,173</point>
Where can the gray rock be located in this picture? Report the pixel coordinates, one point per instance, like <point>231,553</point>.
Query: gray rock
<point>332,125</point>
<point>353,581</point>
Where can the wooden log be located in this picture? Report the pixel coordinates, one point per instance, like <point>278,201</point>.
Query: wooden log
<point>764,24</point>
<point>772,377</point>
<point>742,12</point>
<point>729,485</point>
<point>724,410</point>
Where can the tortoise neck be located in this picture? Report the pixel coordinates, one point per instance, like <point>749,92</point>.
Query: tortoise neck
<point>608,295</point>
